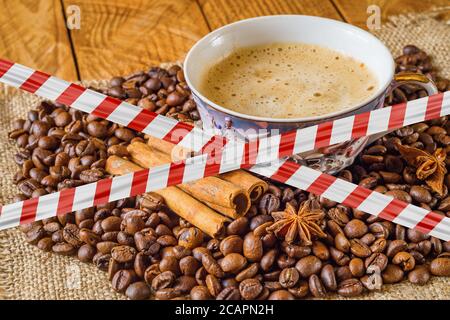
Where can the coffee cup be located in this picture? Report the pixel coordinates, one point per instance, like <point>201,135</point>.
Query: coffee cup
<point>328,33</point>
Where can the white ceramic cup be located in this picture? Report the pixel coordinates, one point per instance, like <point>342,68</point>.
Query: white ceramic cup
<point>342,37</point>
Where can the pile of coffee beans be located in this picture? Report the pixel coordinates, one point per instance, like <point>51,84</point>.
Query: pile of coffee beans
<point>159,90</point>
<point>149,252</point>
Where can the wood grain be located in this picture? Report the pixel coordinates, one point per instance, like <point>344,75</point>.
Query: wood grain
<point>221,12</point>
<point>121,36</point>
<point>33,33</point>
<point>355,12</point>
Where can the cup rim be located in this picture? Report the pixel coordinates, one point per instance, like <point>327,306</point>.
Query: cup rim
<point>214,105</point>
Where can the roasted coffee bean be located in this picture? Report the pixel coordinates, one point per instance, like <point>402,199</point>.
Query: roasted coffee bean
<point>350,288</point>
<point>123,254</point>
<point>229,293</point>
<point>342,243</point>
<point>64,249</point>
<point>301,290</point>
<point>169,263</point>
<point>45,244</point>
<point>190,238</point>
<point>211,266</point>
<point>289,277</point>
<point>379,245</point>
<point>269,203</point>
<point>183,284</point>
<point>35,234</point>
<point>163,280</point>
<point>441,265</point>
<point>359,248</point>
<point>248,272</point>
<point>357,268</point>
<point>71,234</point>
<point>297,252</point>
<point>122,279</point>
<point>392,274</point>
<point>252,247</point>
<point>111,224</point>
<point>281,295</point>
<point>233,263</point>
<point>250,289</point>
<point>405,260</point>
<point>316,287</point>
<point>420,275</point>
<point>86,253</point>
<point>355,229</point>
<point>238,226</point>
<point>378,260</point>
<point>213,284</point>
<point>268,260</point>
<point>320,250</point>
<point>308,265</point>
<point>231,244</point>
<point>200,293</point>
<point>138,291</point>
<point>328,277</point>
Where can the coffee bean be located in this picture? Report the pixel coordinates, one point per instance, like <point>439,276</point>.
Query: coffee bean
<point>231,244</point>
<point>229,293</point>
<point>213,284</point>
<point>269,203</point>
<point>250,289</point>
<point>190,238</point>
<point>138,291</point>
<point>441,266</point>
<point>420,275</point>
<point>392,274</point>
<point>328,277</point>
<point>211,266</point>
<point>355,229</point>
<point>233,263</point>
<point>359,248</point>
<point>308,265</point>
<point>86,253</point>
<point>252,247</point>
<point>281,295</point>
<point>301,290</point>
<point>64,249</point>
<point>163,280</point>
<point>123,254</point>
<point>350,288</point>
<point>183,284</point>
<point>122,279</point>
<point>289,277</point>
<point>248,272</point>
<point>45,244</point>
<point>200,293</point>
<point>35,234</point>
<point>378,260</point>
<point>316,287</point>
<point>238,226</point>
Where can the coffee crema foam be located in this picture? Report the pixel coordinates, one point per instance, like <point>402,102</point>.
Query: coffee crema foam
<point>288,80</point>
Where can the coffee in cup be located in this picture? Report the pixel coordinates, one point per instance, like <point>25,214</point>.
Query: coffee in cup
<point>288,80</point>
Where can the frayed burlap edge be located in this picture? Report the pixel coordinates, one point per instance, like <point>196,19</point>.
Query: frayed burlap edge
<point>28,273</point>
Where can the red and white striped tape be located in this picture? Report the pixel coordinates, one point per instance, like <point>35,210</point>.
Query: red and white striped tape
<point>234,155</point>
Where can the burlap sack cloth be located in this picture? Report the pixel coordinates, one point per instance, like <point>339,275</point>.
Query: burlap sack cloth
<point>28,273</point>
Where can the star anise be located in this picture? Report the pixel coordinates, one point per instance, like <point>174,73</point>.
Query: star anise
<point>304,223</point>
<point>429,167</point>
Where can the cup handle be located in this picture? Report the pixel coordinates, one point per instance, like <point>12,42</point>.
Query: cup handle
<point>404,78</point>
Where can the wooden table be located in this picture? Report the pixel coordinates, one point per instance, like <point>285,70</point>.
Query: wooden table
<point>117,37</point>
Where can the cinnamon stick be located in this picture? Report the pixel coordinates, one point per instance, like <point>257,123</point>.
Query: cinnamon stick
<point>117,166</point>
<point>178,201</point>
<point>253,185</point>
<point>218,194</point>
<point>194,211</point>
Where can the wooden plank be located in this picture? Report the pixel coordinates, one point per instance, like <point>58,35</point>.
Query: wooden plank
<point>118,37</point>
<point>355,12</point>
<point>34,33</point>
<point>221,12</point>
